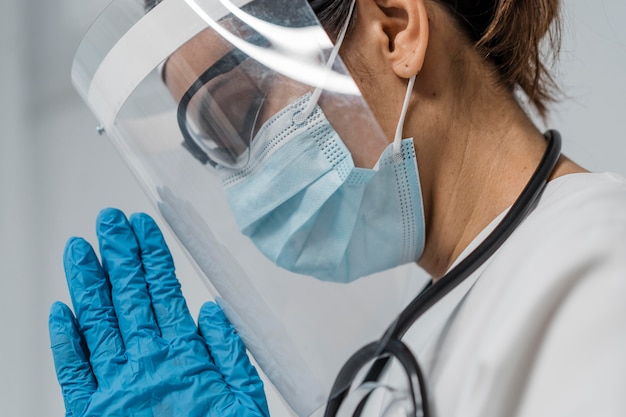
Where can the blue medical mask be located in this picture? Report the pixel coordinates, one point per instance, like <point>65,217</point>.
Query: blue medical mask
<point>311,211</point>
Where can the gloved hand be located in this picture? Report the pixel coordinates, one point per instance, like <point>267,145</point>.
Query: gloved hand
<point>133,348</point>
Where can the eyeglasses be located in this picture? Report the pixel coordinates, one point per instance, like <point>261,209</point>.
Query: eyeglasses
<point>225,100</point>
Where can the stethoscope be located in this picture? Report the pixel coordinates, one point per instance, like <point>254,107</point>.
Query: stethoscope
<point>390,345</point>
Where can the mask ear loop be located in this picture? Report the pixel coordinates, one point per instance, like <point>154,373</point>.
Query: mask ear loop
<point>397,141</point>
<point>300,117</point>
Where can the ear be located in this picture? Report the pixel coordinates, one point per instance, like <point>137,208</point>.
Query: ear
<point>405,23</point>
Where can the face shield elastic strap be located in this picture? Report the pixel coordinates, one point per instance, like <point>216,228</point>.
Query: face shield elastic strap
<point>302,116</point>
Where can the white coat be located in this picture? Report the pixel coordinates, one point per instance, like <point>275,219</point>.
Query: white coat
<point>540,328</point>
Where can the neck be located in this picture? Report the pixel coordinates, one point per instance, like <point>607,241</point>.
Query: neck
<point>474,171</point>
<point>476,147</point>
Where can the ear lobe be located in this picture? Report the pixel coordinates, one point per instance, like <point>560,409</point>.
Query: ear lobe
<point>406,25</point>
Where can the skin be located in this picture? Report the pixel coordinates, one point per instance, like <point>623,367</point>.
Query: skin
<point>476,147</point>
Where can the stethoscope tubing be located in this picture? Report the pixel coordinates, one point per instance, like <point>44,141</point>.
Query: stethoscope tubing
<point>434,292</point>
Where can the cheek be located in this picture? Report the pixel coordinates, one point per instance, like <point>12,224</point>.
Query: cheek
<point>281,92</point>
<point>366,77</point>
<point>378,99</point>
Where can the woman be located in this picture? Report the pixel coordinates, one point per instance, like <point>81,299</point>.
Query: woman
<point>540,328</point>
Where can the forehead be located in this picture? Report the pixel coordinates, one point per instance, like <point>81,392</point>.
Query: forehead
<point>186,64</point>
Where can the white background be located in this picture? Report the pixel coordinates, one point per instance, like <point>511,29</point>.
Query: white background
<point>56,173</point>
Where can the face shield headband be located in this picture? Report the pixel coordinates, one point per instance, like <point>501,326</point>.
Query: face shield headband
<point>293,52</point>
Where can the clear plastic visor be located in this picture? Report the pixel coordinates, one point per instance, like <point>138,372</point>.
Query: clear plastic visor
<point>223,108</point>
<point>219,114</point>
<point>184,88</point>
<point>234,94</point>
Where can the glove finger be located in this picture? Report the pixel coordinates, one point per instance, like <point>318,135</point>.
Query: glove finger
<point>91,297</point>
<point>72,366</point>
<point>121,261</point>
<point>169,306</point>
<point>229,355</point>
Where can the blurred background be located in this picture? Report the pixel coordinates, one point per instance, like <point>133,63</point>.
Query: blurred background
<point>56,173</point>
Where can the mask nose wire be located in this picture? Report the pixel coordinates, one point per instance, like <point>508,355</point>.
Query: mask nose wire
<point>306,112</point>
<point>397,141</point>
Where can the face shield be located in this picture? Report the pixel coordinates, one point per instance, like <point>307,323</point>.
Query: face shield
<point>195,94</point>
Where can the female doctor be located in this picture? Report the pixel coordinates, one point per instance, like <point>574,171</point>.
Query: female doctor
<point>540,331</point>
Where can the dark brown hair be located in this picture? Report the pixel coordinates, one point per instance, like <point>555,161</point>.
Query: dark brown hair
<point>509,33</point>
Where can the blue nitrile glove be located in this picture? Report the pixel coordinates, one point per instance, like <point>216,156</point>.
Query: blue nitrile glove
<point>133,348</point>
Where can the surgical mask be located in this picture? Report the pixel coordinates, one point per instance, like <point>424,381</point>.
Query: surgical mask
<point>311,211</point>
